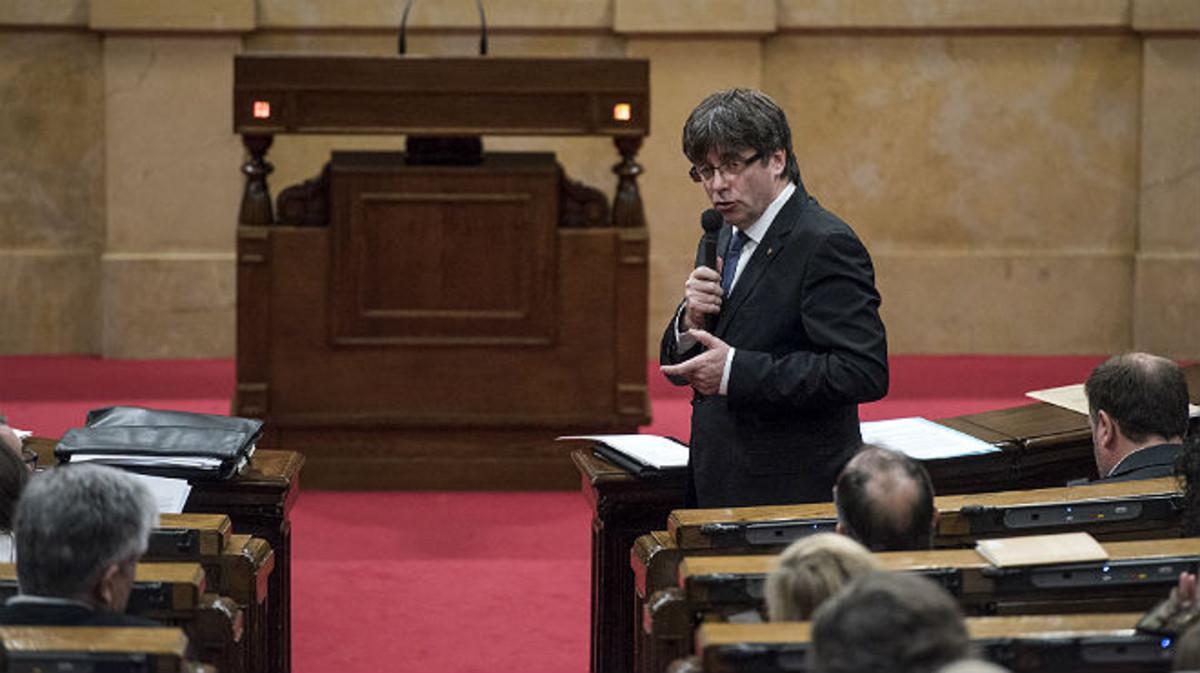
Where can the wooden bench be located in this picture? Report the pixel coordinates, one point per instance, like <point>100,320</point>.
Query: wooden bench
<point>177,594</point>
<point>1137,575</point>
<point>88,648</point>
<point>1089,643</point>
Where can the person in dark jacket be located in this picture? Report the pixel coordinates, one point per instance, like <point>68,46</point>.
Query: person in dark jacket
<point>80,530</point>
<point>1138,413</point>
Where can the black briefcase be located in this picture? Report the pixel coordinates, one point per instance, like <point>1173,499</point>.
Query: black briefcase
<point>164,443</point>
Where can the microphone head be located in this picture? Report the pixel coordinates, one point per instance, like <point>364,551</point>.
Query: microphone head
<point>711,221</point>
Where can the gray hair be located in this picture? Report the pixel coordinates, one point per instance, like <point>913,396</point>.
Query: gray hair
<point>73,522</point>
<point>734,120</point>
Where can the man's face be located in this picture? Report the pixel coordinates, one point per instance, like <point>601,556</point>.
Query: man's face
<point>742,198</point>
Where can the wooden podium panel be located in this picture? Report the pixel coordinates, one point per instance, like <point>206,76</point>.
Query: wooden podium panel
<point>433,255</point>
<point>434,319</point>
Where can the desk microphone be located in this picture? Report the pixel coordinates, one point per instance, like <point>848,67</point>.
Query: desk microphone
<point>711,221</point>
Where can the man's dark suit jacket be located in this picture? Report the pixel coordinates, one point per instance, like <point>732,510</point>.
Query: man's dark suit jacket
<point>36,614</point>
<point>804,318</point>
<point>1148,463</point>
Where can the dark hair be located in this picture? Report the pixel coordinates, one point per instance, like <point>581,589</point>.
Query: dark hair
<point>1145,394</point>
<point>13,476</point>
<point>873,474</point>
<point>1187,471</point>
<point>894,622</point>
<point>737,119</point>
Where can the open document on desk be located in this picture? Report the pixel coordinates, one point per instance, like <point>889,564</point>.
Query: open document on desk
<point>639,453</point>
<point>922,439</point>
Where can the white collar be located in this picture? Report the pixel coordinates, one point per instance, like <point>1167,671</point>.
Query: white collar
<point>758,230</point>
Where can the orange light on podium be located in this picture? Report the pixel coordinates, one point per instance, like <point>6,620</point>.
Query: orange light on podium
<point>262,109</point>
<point>622,112</point>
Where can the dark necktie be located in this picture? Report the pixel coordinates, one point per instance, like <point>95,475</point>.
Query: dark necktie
<point>729,268</point>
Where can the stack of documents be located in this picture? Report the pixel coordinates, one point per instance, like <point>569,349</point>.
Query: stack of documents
<point>639,454</point>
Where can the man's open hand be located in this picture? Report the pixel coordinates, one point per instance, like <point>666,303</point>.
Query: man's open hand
<point>704,371</point>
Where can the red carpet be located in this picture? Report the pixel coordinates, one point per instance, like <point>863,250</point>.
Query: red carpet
<point>457,582</point>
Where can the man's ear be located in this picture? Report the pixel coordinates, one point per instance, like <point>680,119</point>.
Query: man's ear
<point>933,521</point>
<point>1106,431</point>
<point>105,591</point>
<point>839,528</point>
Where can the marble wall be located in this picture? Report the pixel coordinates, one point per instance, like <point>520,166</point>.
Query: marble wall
<point>1026,173</point>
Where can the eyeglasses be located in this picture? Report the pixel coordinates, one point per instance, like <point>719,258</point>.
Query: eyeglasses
<point>729,168</point>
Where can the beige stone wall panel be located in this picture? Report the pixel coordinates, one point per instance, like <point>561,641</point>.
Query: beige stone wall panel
<point>1167,305</point>
<point>1169,218</point>
<point>1018,303</point>
<point>168,305</point>
<point>694,16</point>
<point>172,15</point>
<point>51,141</point>
<point>50,301</point>
<point>1166,15</point>
<point>501,14</point>
<point>986,142</point>
<point>44,13</point>
<point>953,14</point>
<point>173,161</point>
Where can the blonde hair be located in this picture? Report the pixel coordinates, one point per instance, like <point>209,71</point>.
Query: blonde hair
<point>811,570</point>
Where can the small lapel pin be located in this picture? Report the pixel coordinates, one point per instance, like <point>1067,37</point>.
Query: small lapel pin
<point>770,251</point>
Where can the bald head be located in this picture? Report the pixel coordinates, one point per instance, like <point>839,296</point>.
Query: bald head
<point>885,501</point>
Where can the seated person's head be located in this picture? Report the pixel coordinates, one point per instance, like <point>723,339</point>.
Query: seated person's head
<point>972,666</point>
<point>14,473</point>
<point>80,530</point>
<point>892,622</point>
<point>1187,470</point>
<point>885,501</point>
<point>1134,401</point>
<point>811,570</point>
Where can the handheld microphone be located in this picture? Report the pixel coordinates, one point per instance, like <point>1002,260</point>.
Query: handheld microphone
<point>711,221</point>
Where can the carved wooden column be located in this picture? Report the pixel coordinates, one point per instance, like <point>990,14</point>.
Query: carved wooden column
<point>256,198</point>
<point>627,205</point>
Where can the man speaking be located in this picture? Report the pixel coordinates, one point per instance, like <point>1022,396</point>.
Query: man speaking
<point>779,337</point>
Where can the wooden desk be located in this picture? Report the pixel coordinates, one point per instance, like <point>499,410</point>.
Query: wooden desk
<point>258,502</point>
<point>178,594</point>
<point>1023,644</point>
<point>1029,437</point>
<point>1137,575</point>
<point>623,507</point>
<point>188,537</point>
<point>53,648</point>
<point>1123,510</point>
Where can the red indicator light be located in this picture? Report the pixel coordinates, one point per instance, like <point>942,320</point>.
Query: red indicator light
<point>622,112</point>
<point>262,109</point>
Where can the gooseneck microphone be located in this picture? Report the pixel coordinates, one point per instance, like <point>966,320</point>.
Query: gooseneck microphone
<point>711,221</point>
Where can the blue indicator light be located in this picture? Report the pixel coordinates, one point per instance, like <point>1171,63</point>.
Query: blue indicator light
<point>1166,643</point>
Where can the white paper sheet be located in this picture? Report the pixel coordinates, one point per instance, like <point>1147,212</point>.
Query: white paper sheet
<point>1074,397</point>
<point>170,494</point>
<point>653,450</point>
<point>922,439</point>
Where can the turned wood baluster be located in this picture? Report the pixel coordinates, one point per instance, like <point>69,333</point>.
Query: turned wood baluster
<point>256,198</point>
<point>627,206</point>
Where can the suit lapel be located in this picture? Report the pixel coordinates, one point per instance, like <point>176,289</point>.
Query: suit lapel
<point>764,255</point>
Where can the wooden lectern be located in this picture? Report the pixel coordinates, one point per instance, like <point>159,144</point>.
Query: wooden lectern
<point>435,318</point>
